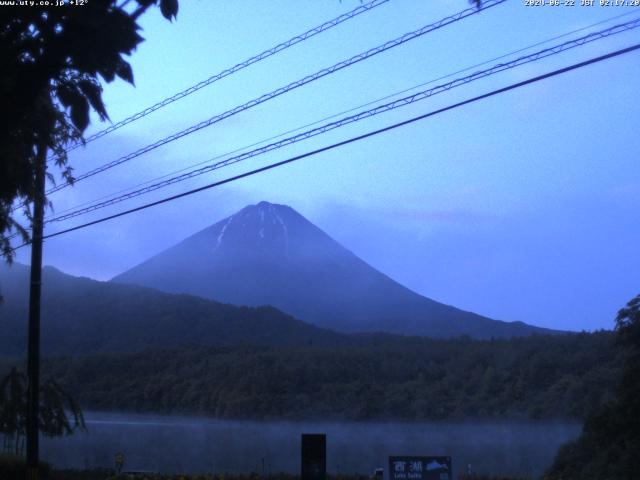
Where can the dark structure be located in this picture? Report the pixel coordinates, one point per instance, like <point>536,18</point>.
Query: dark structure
<point>313,460</point>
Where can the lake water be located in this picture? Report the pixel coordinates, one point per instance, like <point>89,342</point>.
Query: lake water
<point>173,444</point>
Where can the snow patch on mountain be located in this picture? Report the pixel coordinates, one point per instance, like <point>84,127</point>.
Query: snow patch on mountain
<point>224,228</point>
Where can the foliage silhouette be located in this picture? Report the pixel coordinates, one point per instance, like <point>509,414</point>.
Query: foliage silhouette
<point>52,60</point>
<point>610,441</point>
<point>55,407</point>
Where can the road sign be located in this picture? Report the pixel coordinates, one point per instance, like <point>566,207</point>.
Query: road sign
<point>420,468</point>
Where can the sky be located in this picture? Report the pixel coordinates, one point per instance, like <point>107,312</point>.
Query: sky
<point>523,206</point>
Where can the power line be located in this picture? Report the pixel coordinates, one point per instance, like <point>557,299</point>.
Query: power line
<point>545,53</point>
<point>219,76</point>
<point>236,68</point>
<point>335,115</point>
<point>352,139</point>
<point>292,86</point>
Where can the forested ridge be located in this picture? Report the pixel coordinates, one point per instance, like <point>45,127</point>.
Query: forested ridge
<point>84,316</point>
<point>379,377</point>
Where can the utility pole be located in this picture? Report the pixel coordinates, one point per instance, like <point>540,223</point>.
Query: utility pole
<point>33,346</point>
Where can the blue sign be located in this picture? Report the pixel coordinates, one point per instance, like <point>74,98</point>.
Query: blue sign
<point>420,468</point>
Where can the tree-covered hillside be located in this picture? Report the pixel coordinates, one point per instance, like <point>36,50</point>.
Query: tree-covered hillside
<point>80,315</point>
<point>381,377</point>
<point>610,442</point>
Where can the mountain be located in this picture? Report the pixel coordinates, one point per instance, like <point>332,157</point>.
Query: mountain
<point>80,315</point>
<point>268,254</point>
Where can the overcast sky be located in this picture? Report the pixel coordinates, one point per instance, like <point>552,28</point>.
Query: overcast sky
<point>520,207</point>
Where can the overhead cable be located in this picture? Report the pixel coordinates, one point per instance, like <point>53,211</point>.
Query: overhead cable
<point>236,68</point>
<point>287,88</point>
<point>350,140</point>
<point>336,115</point>
<point>402,102</point>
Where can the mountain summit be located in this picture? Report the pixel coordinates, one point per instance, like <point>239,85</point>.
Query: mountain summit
<point>269,254</point>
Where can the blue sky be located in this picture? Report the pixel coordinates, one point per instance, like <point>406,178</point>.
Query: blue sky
<point>520,207</point>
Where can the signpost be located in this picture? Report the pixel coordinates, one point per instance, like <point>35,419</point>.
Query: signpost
<point>119,462</point>
<point>420,468</point>
<point>313,465</point>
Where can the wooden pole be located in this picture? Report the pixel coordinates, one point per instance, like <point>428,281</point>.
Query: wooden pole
<point>33,346</point>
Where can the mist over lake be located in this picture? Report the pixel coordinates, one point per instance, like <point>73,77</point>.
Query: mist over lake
<point>176,444</point>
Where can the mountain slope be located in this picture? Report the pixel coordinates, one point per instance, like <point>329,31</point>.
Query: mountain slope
<point>269,254</point>
<point>80,315</point>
